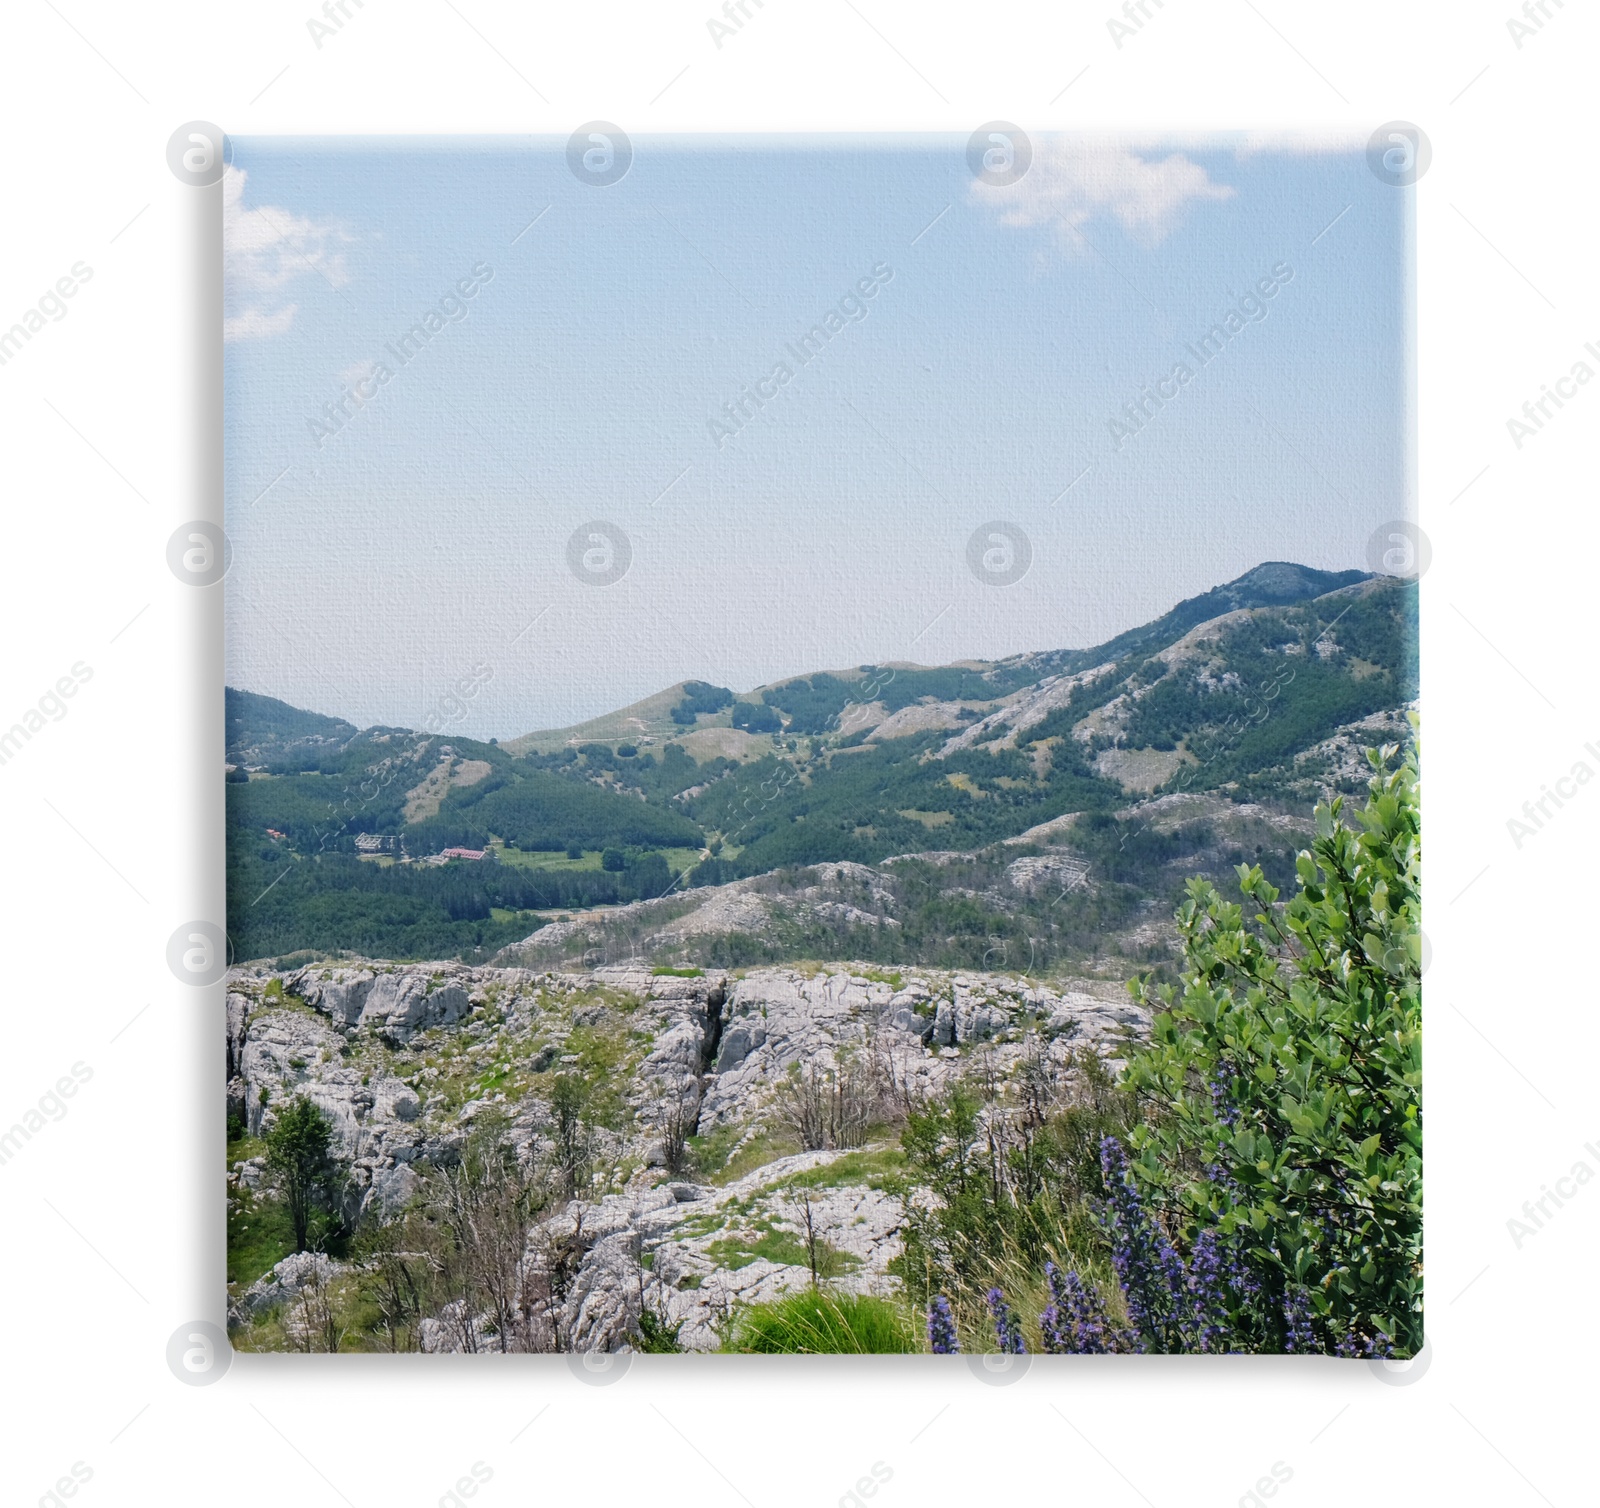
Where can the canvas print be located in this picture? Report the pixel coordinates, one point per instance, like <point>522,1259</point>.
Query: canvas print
<point>822,745</point>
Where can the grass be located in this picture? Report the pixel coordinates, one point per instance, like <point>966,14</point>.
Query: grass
<point>824,1324</point>
<point>677,858</point>
<point>504,914</point>
<point>881,976</point>
<point>359,1320</point>
<point>712,1156</point>
<point>1072,1241</point>
<point>551,859</point>
<point>607,1054</point>
<point>296,960</point>
<point>689,973</point>
<point>259,1237</point>
<point>281,1001</point>
<point>708,1152</point>
<point>875,1167</point>
<point>259,1233</point>
<point>763,1239</point>
<point>243,1148</point>
<point>929,820</point>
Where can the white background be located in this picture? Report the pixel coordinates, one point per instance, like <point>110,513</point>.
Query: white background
<point>114,1213</point>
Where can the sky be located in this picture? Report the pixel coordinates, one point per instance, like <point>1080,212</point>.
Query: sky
<point>595,357</point>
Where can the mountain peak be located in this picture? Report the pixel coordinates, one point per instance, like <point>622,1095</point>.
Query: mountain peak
<point>1275,582</point>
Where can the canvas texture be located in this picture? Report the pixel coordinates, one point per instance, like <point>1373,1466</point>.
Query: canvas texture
<point>822,745</point>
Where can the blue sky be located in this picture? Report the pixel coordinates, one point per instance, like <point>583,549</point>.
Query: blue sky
<point>377,563</point>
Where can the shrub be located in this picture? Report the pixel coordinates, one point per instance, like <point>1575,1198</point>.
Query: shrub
<point>827,1107</point>
<point>570,1130</point>
<point>1272,1201</point>
<point>680,1116</point>
<point>654,1336</point>
<point>465,1251</point>
<point>1285,1080</point>
<point>1010,1188</point>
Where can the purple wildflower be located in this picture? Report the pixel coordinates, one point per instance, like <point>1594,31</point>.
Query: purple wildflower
<point>1299,1337</point>
<point>1075,1322</point>
<point>942,1327</point>
<point>1353,1343</point>
<point>1222,1105</point>
<point>1148,1269</point>
<point>1006,1328</point>
<point>1207,1285</point>
<point>1242,1277</point>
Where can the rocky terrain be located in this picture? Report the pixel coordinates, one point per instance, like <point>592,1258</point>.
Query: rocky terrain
<point>626,1100</point>
<point>1024,884</point>
<point>699,1194</point>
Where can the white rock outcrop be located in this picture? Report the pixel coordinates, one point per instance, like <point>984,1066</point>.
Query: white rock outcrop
<point>406,1060</point>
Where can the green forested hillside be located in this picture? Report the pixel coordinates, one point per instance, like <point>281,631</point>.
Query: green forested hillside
<point>268,728</point>
<point>539,809</point>
<point>1234,705</point>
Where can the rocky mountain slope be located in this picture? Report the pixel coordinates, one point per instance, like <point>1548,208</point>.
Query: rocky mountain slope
<point>1253,694</point>
<point>697,1193</point>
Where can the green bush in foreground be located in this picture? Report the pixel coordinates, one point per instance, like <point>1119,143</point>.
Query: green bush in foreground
<point>1284,1084</point>
<point>815,1323</point>
<point>1263,1191</point>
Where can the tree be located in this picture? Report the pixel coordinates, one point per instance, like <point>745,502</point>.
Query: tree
<point>1285,1079</point>
<point>680,1116</point>
<point>482,1206</point>
<point>756,717</point>
<point>698,697</point>
<point>299,1151</point>
<point>826,1107</point>
<point>811,1236</point>
<point>569,1097</point>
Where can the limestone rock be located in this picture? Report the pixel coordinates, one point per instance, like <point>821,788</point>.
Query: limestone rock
<point>406,1061</point>
<point>400,1004</point>
<point>287,1281</point>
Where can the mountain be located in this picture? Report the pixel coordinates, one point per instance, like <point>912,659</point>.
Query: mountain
<point>258,729</point>
<point>811,704</point>
<point>642,719</point>
<point>1274,583</point>
<point>1207,733</point>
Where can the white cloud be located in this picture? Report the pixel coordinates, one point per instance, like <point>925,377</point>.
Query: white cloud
<point>264,250</point>
<point>253,324</point>
<point>1074,181</point>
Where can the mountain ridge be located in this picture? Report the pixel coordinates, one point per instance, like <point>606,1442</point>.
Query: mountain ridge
<point>1272,583</point>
